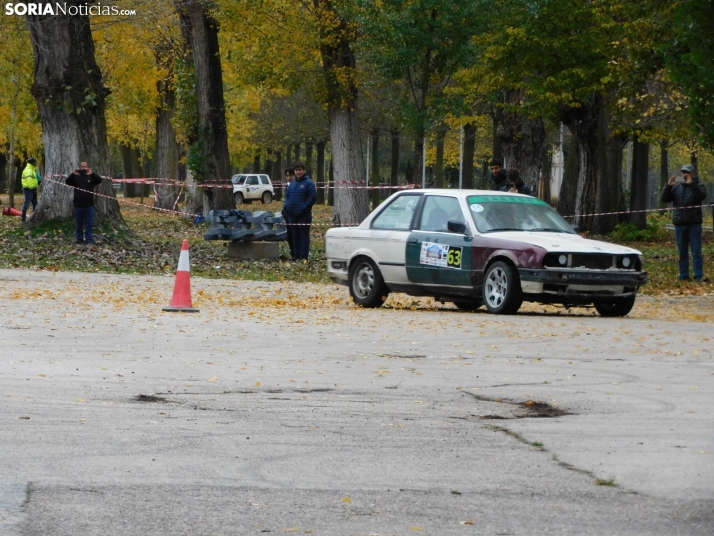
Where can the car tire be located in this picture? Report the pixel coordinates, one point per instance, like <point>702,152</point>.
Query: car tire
<point>615,306</point>
<point>367,287</point>
<point>502,289</point>
<point>267,198</point>
<point>469,305</point>
<point>238,197</point>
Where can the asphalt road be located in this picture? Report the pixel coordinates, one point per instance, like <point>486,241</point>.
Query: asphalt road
<point>281,408</point>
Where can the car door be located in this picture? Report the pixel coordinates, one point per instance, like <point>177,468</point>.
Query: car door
<point>435,255</point>
<point>387,237</point>
<point>252,190</point>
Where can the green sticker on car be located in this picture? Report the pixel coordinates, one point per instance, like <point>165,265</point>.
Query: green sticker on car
<point>505,199</point>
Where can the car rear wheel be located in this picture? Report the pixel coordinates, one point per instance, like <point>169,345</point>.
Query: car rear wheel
<point>267,197</point>
<point>238,198</point>
<point>615,306</point>
<point>502,289</point>
<point>367,287</point>
<point>469,305</point>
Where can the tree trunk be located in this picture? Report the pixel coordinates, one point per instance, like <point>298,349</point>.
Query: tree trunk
<point>439,163</point>
<point>3,172</point>
<point>663,167</point>
<point>522,140</point>
<point>374,169</point>
<point>569,185</point>
<point>70,93</point>
<point>419,148</point>
<point>598,187</point>
<point>331,182</point>
<point>202,31</point>
<point>256,163</point>
<point>497,148</point>
<point>339,70</point>
<point>394,175</point>
<point>468,156</point>
<point>277,176</point>
<point>308,158</point>
<point>638,188</point>
<point>321,145</point>
<point>167,150</point>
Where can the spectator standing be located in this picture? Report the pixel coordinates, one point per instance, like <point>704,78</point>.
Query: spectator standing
<point>685,197</point>
<point>83,180</point>
<point>499,177</point>
<point>300,198</point>
<point>289,179</point>
<point>516,185</point>
<point>30,182</point>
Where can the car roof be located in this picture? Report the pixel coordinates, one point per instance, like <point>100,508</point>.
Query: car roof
<point>460,193</point>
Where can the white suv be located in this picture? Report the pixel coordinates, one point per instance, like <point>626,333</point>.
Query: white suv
<point>247,187</point>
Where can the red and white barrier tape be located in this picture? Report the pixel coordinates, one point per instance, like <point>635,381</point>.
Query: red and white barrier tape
<point>175,213</point>
<point>666,209</point>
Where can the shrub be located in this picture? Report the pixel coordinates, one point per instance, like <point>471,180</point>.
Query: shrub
<point>628,232</point>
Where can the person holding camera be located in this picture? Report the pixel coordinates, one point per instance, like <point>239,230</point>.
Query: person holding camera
<point>83,180</point>
<point>686,196</point>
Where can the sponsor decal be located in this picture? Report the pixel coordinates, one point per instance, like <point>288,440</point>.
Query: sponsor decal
<point>440,255</point>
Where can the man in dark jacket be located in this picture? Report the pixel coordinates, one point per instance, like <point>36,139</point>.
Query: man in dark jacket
<point>289,179</point>
<point>686,197</point>
<point>299,199</point>
<point>516,185</point>
<point>499,176</point>
<point>83,181</point>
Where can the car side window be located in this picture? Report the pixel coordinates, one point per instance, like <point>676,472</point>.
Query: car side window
<point>264,179</point>
<point>437,212</point>
<point>252,181</point>
<point>398,215</point>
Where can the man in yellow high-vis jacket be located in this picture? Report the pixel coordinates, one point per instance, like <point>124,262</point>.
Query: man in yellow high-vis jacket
<point>30,181</point>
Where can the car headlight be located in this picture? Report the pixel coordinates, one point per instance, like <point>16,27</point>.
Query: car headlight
<point>626,262</point>
<point>563,260</point>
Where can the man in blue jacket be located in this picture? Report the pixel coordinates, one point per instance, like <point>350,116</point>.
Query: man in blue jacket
<point>299,198</point>
<point>686,197</point>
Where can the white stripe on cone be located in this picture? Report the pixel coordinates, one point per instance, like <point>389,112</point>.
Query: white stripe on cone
<point>181,300</point>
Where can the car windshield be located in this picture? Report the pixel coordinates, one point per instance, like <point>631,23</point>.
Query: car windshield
<point>238,179</point>
<point>493,213</point>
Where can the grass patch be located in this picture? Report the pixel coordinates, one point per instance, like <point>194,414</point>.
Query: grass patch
<point>605,482</point>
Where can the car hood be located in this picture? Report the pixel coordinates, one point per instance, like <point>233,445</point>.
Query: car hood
<point>567,243</point>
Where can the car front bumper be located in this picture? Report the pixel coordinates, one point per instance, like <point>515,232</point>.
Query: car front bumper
<point>580,282</point>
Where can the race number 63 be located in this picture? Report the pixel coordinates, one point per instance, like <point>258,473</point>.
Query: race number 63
<point>453,260</point>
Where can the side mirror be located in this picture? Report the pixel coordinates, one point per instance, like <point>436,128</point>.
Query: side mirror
<point>576,228</point>
<point>456,226</point>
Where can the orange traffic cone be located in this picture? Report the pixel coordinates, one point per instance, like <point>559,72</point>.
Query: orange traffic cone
<point>181,300</point>
<point>9,211</point>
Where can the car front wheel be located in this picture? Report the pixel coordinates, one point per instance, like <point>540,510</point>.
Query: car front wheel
<point>238,198</point>
<point>502,289</point>
<point>367,287</point>
<point>615,306</point>
<point>267,198</point>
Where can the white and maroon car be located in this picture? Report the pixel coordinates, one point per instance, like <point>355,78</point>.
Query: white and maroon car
<point>474,248</point>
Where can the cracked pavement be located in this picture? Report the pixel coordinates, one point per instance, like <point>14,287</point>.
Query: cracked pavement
<point>307,415</point>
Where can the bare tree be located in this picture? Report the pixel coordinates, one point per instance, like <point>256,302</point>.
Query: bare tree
<point>201,31</point>
<point>70,95</point>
